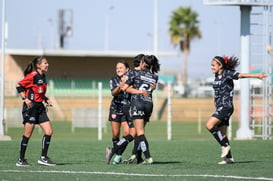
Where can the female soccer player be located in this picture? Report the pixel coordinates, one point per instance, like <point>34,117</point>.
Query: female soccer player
<point>32,89</point>
<point>224,70</point>
<point>121,145</point>
<point>119,103</point>
<point>140,84</point>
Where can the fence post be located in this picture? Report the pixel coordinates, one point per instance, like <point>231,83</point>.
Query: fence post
<point>199,121</point>
<point>230,129</point>
<point>100,111</point>
<point>169,118</point>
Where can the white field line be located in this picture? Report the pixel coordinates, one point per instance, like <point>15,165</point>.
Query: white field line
<point>138,174</point>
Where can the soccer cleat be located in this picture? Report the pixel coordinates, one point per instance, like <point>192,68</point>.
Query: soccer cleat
<point>225,150</point>
<point>226,161</point>
<point>148,161</point>
<point>139,160</point>
<point>109,154</point>
<point>22,163</point>
<point>44,160</point>
<point>117,159</point>
<point>130,160</point>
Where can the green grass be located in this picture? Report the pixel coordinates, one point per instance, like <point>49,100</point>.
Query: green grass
<point>155,130</point>
<point>190,156</point>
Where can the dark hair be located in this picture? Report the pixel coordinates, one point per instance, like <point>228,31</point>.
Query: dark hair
<point>124,63</point>
<point>152,62</point>
<point>229,63</point>
<point>33,64</point>
<point>138,59</point>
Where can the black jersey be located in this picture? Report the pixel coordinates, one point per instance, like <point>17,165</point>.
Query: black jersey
<point>223,88</point>
<point>123,98</point>
<point>141,80</point>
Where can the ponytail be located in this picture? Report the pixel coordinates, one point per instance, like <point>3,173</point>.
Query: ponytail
<point>33,65</point>
<point>228,63</point>
<point>152,62</point>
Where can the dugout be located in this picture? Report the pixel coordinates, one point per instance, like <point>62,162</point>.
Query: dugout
<point>65,64</point>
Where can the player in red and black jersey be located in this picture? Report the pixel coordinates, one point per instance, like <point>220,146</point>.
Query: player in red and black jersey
<point>32,89</point>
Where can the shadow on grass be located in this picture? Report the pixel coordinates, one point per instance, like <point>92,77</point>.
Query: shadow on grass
<point>167,162</point>
<point>239,162</point>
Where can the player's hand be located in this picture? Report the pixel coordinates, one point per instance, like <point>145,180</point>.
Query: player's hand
<point>145,93</point>
<point>153,86</point>
<point>262,75</point>
<point>28,103</point>
<point>48,103</point>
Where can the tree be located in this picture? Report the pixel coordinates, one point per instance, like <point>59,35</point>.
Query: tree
<point>184,27</point>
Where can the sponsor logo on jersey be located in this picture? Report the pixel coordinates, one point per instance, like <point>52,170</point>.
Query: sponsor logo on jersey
<point>150,80</point>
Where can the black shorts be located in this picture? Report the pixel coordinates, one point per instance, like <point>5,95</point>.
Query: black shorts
<point>121,117</point>
<point>35,115</point>
<point>223,115</point>
<point>116,117</point>
<point>126,110</point>
<point>141,110</point>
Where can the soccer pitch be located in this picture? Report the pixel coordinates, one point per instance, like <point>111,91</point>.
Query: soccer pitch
<point>82,158</point>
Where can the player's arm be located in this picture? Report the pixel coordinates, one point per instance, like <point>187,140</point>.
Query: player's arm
<point>116,91</point>
<point>248,75</point>
<point>48,101</point>
<point>132,90</point>
<point>21,91</point>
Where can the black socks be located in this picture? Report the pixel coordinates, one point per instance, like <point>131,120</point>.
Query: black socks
<point>23,147</point>
<point>45,144</point>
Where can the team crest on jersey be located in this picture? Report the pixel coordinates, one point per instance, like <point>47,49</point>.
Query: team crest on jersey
<point>40,90</point>
<point>114,116</point>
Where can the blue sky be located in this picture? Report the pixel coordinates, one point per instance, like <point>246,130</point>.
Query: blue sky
<point>33,24</point>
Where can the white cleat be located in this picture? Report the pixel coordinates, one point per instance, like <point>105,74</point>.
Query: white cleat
<point>226,161</point>
<point>225,150</point>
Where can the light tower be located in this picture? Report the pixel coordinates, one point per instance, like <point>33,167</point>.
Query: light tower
<point>244,132</point>
<point>65,25</point>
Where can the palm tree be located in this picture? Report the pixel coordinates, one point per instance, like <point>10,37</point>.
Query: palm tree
<point>184,27</point>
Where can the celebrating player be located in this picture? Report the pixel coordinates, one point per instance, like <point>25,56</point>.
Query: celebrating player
<point>140,86</point>
<point>224,70</point>
<point>121,99</point>
<point>122,144</point>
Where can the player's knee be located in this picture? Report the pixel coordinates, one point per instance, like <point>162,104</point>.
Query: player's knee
<point>209,126</point>
<point>49,132</point>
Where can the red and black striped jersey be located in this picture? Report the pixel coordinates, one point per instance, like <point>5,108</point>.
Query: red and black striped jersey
<point>35,86</point>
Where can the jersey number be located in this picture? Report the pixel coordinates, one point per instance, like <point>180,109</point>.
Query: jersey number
<point>145,87</point>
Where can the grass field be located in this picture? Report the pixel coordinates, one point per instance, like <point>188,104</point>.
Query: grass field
<point>190,156</point>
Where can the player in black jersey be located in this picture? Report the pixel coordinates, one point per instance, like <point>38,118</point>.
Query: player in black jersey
<point>140,85</point>
<point>118,114</point>
<point>32,89</point>
<point>121,145</point>
<point>224,70</point>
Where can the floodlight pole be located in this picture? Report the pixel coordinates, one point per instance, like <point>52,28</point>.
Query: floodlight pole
<point>2,72</point>
<point>107,25</point>
<point>244,131</point>
<point>2,90</point>
<point>155,37</point>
